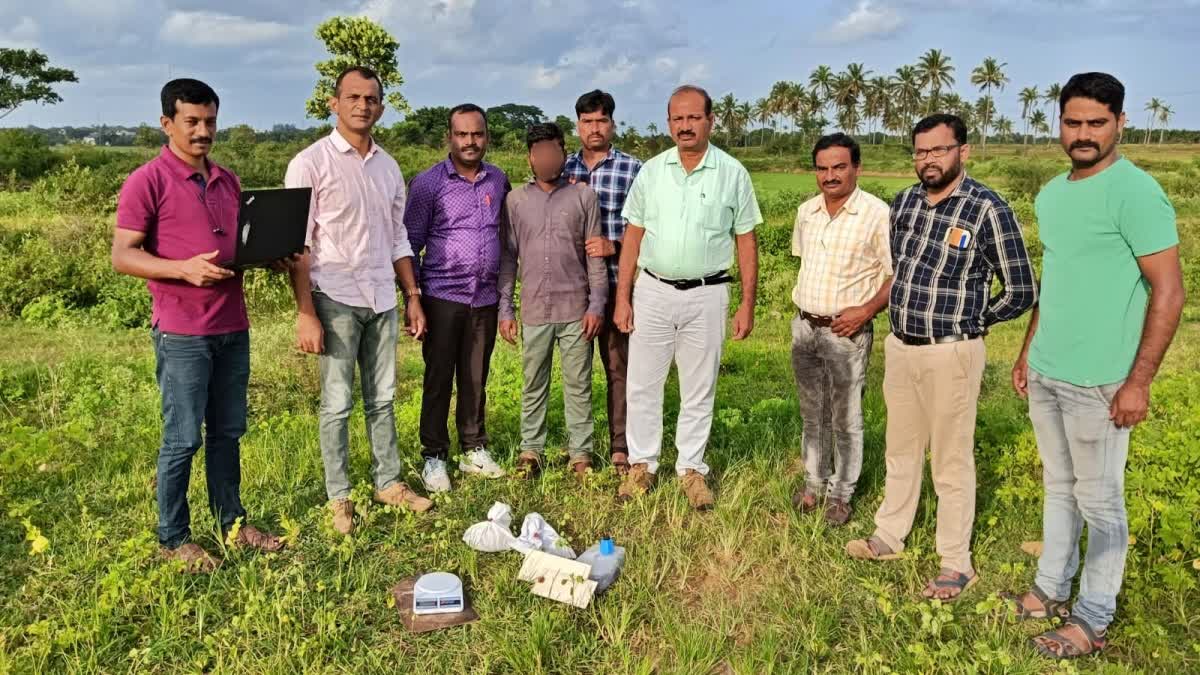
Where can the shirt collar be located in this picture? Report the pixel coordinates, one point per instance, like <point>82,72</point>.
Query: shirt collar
<point>851,206</point>
<point>708,161</point>
<point>184,170</point>
<point>343,146</point>
<point>452,172</point>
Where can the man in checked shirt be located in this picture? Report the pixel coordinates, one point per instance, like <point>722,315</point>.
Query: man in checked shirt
<point>610,174</point>
<point>950,235</point>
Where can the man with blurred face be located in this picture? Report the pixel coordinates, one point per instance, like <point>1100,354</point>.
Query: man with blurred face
<point>688,209</point>
<point>345,287</point>
<point>610,174</point>
<point>453,219</point>
<point>950,236</point>
<point>841,236</point>
<point>1111,296</point>
<point>177,218</point>
<point>563,291</point>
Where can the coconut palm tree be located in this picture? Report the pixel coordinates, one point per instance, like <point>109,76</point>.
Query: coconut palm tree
<point>876,99</point>
<point>1037,120</point>
<point>761,113</point>
<point>1053,93</point>
<point>906,93</point>
<point>820,82</point>
<point>985,109</point>
<point>1029,98</point>
<point>724,110</point>
<point>1164,116</point>
<point>1004,127</point>
<point>744,114</point>
<point>1153,106</point>
<point>935,72</point>
<point>987,76</point>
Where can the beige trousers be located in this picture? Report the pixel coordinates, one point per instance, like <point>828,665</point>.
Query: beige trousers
<point>931,393</point>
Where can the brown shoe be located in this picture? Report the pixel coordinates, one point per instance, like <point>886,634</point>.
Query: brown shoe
<point>399,494</point>
<point>252,537</point>
<point>580,466</point>
<point>195,559</point>
<point>698,494</point>
<point>837,512</point>
<point>636,483</point>
<point>343,516</point>
<point>529,464</point>
<point>806,501</point>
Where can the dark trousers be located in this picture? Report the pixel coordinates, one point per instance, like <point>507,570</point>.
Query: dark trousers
<point>203,381</point>
<point>458,346</point>
<point>614,353</point>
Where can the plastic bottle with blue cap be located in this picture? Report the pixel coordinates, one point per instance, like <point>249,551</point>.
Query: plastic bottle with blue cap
<point>606,560</point>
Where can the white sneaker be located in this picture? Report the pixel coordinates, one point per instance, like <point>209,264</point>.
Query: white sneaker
<point>434,475</point>
<point>479,461</point>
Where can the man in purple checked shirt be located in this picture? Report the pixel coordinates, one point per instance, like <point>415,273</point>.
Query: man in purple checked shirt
<point>453,221</point>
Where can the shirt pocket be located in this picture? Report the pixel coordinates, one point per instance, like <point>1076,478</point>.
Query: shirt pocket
<point>716,212</point>
<point>951,259</point>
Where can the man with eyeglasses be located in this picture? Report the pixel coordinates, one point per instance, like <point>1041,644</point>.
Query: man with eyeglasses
<point>176,219</point>
<point>345,287</point>
<point>950,235</point>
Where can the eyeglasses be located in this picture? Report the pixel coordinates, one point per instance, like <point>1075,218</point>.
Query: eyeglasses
<point>935,151</point>
<point>216,226</point>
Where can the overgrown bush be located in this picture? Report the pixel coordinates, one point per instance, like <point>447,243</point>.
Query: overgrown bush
<point>24,155</point>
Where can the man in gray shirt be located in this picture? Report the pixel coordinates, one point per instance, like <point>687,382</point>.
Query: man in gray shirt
<point>563,292</point>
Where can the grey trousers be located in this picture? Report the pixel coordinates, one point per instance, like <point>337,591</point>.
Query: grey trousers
<point>830,373</point>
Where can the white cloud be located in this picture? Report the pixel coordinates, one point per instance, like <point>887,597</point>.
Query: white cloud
<point>694,74</point>
<point>211,29</point>
<point>21,35</point>
<point>665,65</point>
<point>545,78</point>
<point>868,19</point>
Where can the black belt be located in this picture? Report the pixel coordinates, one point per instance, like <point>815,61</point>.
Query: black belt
<point>944,339</point>
<point>816,319</point>
<point>721,277</point>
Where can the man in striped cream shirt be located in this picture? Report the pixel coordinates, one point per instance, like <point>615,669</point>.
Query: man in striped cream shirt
<point>841,236</point>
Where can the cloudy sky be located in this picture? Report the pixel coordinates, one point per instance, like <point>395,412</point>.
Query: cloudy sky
<point>259,54</point>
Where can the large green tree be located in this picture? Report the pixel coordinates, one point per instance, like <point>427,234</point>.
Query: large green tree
<point>27,77</point>
<point>935,72</point>
<point>355,41</point>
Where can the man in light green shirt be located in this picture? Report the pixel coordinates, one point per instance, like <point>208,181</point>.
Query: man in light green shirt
<point>1111,297</point>
<point>688,211</point>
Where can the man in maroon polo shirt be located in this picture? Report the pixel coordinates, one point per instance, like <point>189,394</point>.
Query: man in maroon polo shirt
<point>176,220</point>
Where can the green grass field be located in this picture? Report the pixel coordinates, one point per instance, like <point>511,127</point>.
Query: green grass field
<point>751,587</point>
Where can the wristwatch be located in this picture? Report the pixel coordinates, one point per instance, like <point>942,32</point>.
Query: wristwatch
<point>414,293</point>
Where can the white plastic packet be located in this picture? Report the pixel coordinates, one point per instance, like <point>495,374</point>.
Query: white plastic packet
<point>492,535</point>
<point>538,535</point>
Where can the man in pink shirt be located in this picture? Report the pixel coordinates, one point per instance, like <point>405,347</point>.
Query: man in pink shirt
<point>176,219</point>
<point>345,287</point>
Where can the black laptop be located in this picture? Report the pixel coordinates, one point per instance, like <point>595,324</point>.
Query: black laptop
<point>271,225</point>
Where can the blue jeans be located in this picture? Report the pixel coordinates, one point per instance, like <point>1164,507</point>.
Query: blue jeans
<point>357,335</point>
<point>203,382</point>
<point>1083,468</point>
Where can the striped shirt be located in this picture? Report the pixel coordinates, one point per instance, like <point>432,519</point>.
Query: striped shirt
<point>946,256</point>
<point>611,180</point>
<point>846,257</point>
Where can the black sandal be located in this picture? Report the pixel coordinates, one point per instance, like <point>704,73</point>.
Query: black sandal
<point>1050,608</point>
<point>1066,649</point>
<point>949,579</point>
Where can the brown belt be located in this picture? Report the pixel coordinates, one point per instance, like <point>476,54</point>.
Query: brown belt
<point>817,320</point>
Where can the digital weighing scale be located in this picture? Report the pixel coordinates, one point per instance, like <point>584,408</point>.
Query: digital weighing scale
<point>438,593</point>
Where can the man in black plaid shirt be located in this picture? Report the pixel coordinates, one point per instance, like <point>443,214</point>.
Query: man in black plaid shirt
<point>950,236</point>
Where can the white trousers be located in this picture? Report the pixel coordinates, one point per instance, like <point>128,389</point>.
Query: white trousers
<point>687,327</point>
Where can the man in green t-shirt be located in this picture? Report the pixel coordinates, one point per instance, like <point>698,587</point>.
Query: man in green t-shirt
<point>1111,297</point>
